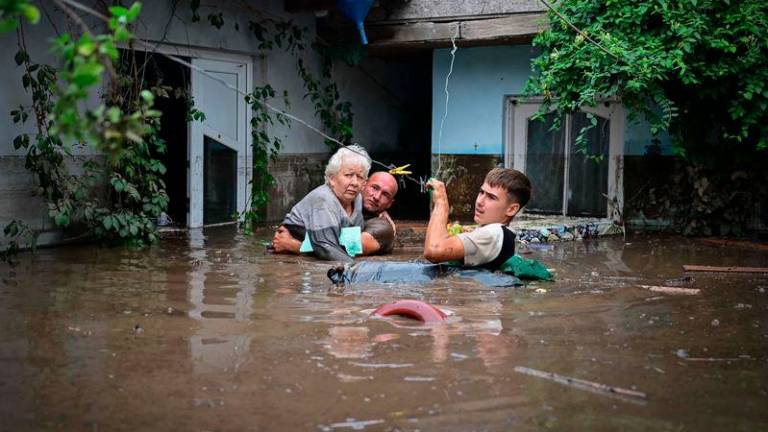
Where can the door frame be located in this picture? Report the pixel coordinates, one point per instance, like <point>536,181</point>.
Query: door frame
<point>518,109</point>
<point>240,143</point>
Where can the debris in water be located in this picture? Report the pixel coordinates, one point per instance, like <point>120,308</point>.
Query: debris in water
<point>671,290</point>
<point>702,268</point>
<point>418,379</point>
<point>678,282</point>
<point>584,384</point>
<point>715,322</point>
<point>383,365</point>
<point>711,359</point>
<point>352,378</point>
<point>352,424</point>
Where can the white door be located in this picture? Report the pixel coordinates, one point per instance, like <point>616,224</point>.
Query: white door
<point>566,181</point>
<point>219,168</point>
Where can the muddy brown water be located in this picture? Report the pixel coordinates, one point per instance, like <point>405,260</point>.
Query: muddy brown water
<point>206,332</point>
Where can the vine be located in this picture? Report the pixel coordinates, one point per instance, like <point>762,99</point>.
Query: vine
<point>265,149</point>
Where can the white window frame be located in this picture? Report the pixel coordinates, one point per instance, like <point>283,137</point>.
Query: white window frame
<point>519,109</point>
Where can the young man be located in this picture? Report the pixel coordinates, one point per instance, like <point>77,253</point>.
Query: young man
<point>503,193</point>
<point>378,196</point>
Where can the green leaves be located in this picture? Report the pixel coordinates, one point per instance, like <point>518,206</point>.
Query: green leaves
<point>12,10</point>
<point>87,74</point>
<point>676,57</point>
<point>120,19</point>
<point>123,127</point>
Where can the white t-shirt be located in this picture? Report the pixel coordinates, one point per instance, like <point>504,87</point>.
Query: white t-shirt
<point>482,245</point>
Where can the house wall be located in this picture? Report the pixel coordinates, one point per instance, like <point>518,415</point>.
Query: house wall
<point>473,133</point>
<point>377,118</point>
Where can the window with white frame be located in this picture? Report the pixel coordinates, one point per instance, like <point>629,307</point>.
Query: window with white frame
<point>570,175</point>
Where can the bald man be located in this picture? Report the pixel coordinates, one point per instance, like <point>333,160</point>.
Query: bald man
<point>378,196</point>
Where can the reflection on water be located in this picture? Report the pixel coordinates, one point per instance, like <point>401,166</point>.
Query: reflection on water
<point>218,296</point>
<point>231,338</point>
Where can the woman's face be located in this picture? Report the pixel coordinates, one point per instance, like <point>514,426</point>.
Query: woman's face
<point>348,182</point>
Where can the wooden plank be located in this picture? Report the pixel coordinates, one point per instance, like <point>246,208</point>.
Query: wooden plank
<point>736,243</point>
<point>702,268</point>
<point>506,27</point>
<point>513,27</point>
<point>410,33</point>
<point>431,10</point>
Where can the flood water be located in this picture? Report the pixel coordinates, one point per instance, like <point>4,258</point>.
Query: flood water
<point>206,332</point>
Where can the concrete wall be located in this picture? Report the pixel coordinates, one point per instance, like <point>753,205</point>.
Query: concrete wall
<point>377,117</point>
<point>480,80</point>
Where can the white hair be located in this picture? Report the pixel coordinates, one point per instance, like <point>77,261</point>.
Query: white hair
<point>351,154</point>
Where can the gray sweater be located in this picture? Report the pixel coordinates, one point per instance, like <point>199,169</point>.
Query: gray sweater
<point>323,217</point>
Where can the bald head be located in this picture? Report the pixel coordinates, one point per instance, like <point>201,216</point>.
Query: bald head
<point>379,192</point>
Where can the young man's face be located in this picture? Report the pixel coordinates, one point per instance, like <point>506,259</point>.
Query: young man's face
<point>493,205</point>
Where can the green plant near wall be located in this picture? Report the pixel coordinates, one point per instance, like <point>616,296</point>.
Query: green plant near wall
<point>265,149</point>
<point>117,199</point>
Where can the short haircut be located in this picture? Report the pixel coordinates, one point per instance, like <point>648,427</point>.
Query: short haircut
<point>516,184</point>
<point>381,230</point>
<point>351,154</point>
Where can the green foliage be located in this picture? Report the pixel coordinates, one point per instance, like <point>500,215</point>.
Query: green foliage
<point>12,10</point>
<point>18,233</point>
<point>118,198</point>
<point>216,20</point>
<point>265,149</point>
<point>698,69</point>
<point>335,115</point>
<point>194,5</point>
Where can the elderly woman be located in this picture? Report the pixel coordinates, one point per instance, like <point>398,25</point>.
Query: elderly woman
<point>321,215</point>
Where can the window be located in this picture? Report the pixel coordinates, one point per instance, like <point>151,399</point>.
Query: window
<point>569,176</point>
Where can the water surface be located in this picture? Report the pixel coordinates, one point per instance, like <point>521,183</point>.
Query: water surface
<point>206,332</point>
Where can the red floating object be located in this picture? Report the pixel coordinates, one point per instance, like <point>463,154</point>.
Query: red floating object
<point>415,309</point>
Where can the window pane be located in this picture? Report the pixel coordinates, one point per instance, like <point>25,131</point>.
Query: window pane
<point>219,182</point>
<point>544,165</point>
<point>588,168</point>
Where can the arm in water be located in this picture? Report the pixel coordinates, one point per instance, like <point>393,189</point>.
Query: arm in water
<point>440,246</point>
<point>283,242</point>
